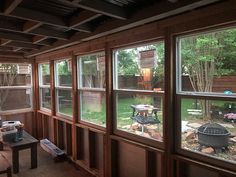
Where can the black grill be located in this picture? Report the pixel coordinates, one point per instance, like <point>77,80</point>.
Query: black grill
<point>213,135</point>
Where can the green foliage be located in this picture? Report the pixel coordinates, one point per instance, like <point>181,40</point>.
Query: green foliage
<point>62,68</point>
<point>127,64</point>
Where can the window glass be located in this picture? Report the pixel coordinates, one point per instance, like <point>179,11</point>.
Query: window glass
<point>207,65</point>
<point>44,70</point>
<point>63,73</point>
<point>13,99</point>
<point>93,71</point>
<point>141,68</point>
<point>45,98</point>
<point>44,85</point>
<point>209,127</point>
<point>93,107</point>
<point>15,74</point>
<point>140,114</point>
<point>15,86</point>
<point>208,62</point>
<point>64,101</point>
<point>139,90</point>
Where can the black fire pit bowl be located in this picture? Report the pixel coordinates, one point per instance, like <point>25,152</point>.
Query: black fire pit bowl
<point>213,135</point>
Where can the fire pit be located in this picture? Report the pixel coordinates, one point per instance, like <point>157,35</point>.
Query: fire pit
<point>213,135</point>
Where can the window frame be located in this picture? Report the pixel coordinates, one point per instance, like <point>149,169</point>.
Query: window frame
<point>58,87</point>
<point>179,95</point>
<point>25,87</point>
<point>117,91</point>
<point>43,86</point>
<point>82,89</point>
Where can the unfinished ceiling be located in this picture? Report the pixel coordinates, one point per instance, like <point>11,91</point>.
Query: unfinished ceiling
<point>32,27</point>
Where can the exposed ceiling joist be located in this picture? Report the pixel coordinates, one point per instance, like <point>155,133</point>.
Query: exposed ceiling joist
<point>24,45</point>
<point>17,49</point>
<point>30,25</point>
<point>83,17</point>
<point>9,54</point>
<point>15,36</point>
<point>37,39</point>
<point>9,26</point>
<point>4,42</point>
<point>5,48</point>
<point>100,7</point>
<point>10,5</point>
<point>49,32</point>
<point>49,19</point>
<point>150,14</point>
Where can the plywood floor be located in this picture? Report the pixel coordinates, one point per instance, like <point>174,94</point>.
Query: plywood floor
<point>46,166</point>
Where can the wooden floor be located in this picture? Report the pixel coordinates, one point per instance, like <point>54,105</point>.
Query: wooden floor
<point>46,166</point>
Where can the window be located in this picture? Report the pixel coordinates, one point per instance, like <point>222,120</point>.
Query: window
<point>92,88</point>
<point>15,87</point>
<point>44,86</point>
<point>206,93</point>
<point>139,90</point>
<point>63,79</point>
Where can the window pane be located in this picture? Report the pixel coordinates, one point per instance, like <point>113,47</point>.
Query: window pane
<point>64,101</point>
<point>44,70</point>
<point>15,74</point>
<point>63,69</point>
<point>209,127</point>
<point>140,114</point>
<point>93,107</point>
<point>141,68</point>
<point>45,98</point>
<point>208,62</point>
<point>93,71</point>
<point>12,99</point>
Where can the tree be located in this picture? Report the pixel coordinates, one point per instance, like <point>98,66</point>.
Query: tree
<point>127,64</point>
<point>8,73</point>
<point>206,56</point>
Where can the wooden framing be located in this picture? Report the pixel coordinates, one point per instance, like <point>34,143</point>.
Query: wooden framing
<point>107,152</point>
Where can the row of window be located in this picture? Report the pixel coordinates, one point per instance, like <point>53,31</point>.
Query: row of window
<point>205,89</point>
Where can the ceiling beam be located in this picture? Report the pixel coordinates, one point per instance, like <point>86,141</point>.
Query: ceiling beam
<point>101,7</point>
<point>9,54</point>
<point>83,17</point>
<point>50,33</point>
<point>5,48</point>
<point>147,15</point>
<point>24,45</point>
<point>45,18</point>
<point>10,5</point>
<point>17,49</point>
<point>30,25</point>
<point>9,26</point>
<point>15,36</point>
<point>4,42</point>
<point>173,1</point>
<point>37,39</point>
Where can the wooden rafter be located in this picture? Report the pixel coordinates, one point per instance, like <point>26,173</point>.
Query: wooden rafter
<point>5,48</point>
<point>30,25</point>
<point>24,45</point>
<point>10,5</point>
<point>4,42</point>
<point>150,14</point>
<point>45,18</point>
<point>15,36</point>
<point>11,27</point>
<point>81,18</point>
<point>100,7</point>
<point>37,39</point>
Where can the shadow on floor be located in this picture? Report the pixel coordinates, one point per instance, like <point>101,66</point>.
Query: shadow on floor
<point>46,166</point>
